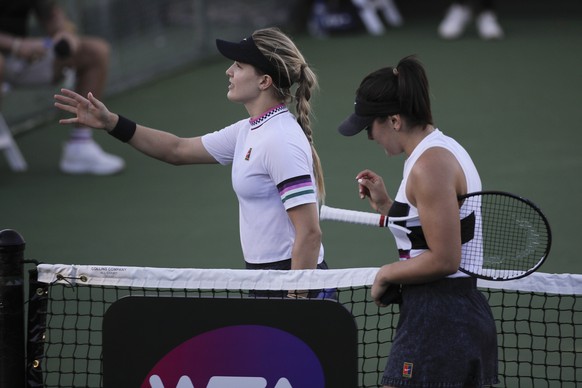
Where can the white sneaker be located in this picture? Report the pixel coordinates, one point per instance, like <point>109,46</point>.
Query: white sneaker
<point>86,157</point>
<point>488,27</point>
<point>455,22</point>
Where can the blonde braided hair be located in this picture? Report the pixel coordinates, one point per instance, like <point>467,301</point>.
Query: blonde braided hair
<point>280,50</point>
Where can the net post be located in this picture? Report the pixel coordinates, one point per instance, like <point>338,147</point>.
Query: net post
<point>12,345</point>
<point>37,313</point>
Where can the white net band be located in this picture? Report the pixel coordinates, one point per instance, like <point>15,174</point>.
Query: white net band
<point>241,279</point>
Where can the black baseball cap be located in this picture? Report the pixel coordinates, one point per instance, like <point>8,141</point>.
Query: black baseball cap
<point>246,51</point>
<point>365,112</point>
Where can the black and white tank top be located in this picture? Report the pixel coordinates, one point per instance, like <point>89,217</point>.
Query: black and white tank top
<point>403,219</point>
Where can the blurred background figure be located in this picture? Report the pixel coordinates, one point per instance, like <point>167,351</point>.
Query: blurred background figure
<point>460,14</point>
<point>27,60</point>
<point>369,13</point>
<point>329,17</point>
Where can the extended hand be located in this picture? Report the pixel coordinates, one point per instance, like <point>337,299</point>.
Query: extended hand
<point>88,111</point>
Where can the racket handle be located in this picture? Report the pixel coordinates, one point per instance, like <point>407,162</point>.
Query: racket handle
<point>392,295</point>
<point>353,216</point>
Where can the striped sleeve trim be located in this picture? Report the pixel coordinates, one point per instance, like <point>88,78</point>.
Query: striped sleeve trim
<point>295,187</point>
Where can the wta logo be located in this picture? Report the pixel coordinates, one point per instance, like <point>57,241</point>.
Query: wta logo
<point>244,356</point>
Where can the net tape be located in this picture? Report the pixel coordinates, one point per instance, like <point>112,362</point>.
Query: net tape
<point>236,279</point>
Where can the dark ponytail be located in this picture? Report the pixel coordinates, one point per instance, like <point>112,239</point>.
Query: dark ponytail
<point>413,92</point>
<point>399,90</point>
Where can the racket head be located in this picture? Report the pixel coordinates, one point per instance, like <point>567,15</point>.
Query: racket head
<point>512,239</point>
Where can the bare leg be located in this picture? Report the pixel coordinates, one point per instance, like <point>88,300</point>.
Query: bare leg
<point>91,64</point>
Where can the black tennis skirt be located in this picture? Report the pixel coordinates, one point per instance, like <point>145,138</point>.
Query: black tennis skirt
<point>445,338</point>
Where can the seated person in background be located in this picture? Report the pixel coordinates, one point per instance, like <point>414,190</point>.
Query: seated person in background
<point>30,61</point>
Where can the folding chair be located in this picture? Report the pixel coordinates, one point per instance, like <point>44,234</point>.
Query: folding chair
<point>10,148</point>
<point>7,143</point>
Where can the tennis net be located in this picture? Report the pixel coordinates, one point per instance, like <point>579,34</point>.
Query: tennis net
<point>539,318</point>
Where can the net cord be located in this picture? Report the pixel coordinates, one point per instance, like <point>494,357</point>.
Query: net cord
<point>201,278</point>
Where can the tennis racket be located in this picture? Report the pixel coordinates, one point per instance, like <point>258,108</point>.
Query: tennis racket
<point>511,237</point>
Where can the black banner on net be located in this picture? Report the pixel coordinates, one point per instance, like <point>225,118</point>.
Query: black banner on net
<point>220,342</point>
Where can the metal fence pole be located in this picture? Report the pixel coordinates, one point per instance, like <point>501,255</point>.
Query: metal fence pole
<point>12,343</point>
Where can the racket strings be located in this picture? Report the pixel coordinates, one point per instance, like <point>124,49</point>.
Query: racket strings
<point>510,239</point>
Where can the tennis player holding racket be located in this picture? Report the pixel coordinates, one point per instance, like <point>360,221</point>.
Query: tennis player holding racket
<point>446,334</point>
<point>276,172</point>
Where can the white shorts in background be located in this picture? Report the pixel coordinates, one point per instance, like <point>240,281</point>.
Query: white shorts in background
<point>19,72</point>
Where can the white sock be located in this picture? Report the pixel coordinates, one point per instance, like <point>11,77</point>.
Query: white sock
<point>81,134</point>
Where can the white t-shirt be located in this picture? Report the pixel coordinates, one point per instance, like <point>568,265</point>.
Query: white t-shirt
<point>404,221</point>
<point>272,171</point>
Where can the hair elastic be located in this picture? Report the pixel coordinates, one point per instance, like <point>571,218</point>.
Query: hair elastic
<point>395,71</point>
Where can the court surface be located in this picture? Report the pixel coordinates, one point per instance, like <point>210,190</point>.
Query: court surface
<point>513,104</point>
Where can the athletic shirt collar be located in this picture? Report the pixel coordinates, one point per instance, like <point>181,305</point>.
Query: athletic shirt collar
<point>256,122</point>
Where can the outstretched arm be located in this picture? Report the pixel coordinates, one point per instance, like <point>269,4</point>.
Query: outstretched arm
<point>157,144</point>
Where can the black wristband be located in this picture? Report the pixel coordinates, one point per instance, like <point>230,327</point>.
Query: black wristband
<point>124,129</point>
